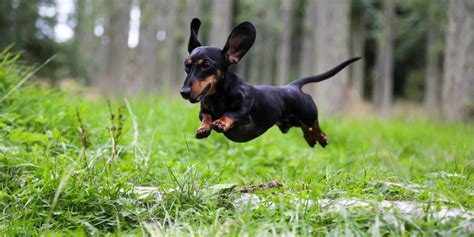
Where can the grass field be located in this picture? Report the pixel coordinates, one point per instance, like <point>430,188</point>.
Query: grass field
<point>62,176</point>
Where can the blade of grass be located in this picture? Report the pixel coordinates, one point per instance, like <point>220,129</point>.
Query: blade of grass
<point>26,78</point>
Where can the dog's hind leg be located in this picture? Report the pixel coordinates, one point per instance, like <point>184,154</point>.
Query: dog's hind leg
<point>320,135</point>
<point>308,135</point>
<point>314,134</point>
<point>308,117</point>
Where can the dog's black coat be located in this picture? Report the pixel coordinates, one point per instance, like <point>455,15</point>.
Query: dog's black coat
<point>238,109</point>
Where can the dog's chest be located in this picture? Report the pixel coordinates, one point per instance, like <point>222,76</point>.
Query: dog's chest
<point>218,108</point>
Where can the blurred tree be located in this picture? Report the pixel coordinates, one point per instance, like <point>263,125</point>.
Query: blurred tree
<point>270,43</point>
<point>358,38</point>
<point>307,50</point>
<point>284,59</point>
<point>171,57</point>
<point>195,8</point>
<point>86,43</point>
<point>148,65</point>
<point>296,38</point>
<point>433,67</point>
<point>458,77</point>
<point>255,56</point>
<point>383,83</point>
<point>332,47</point>
<point>113,75</point>
<point>221,20</point>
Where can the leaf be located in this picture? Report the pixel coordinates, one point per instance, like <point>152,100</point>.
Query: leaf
<point>18,135</point>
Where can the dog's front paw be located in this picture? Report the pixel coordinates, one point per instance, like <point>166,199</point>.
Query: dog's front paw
<point>223,124</point>
<point>219,126</point>
<point>203,132</point>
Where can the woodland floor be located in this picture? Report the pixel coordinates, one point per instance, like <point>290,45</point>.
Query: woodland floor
<point>59,175</point>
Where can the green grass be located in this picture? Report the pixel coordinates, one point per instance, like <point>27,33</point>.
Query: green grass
<point>51,183</point>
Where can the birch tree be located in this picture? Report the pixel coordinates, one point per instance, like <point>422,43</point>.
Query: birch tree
<point>458,77</point>
<point>221,21</point>
<point>383,83</point>
<point>284,59</point>
<point>170,58</point>
<point>332,47</point>
<point>147,76</point>
<point>358,36</point>
<point>433,72</point>
<point>115,46</point>
<point>86,43</point>
<point>308,49</point>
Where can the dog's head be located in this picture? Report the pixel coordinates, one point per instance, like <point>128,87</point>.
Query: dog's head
<point>205,66</point>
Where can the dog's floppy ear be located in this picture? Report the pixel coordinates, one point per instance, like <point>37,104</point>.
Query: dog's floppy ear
<point>239,42</point>
<point>193,40</point>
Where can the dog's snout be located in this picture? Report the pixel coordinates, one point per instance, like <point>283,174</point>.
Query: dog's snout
<point>185,92</point>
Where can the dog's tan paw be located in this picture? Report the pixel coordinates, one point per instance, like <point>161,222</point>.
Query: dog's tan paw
<point>322,139</point>
<point>203,132</point>
<point>223,124</point>
<point>219,126</point>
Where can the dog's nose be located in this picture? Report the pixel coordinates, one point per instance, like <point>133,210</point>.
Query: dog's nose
<point>185,92</point>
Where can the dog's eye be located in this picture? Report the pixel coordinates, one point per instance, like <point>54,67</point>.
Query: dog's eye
<point>187,66</point>
<point>206,65</point>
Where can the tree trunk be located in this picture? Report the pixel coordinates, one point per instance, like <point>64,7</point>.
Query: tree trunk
<point>115,45</point>
<point>433,72</point>
<point>268,42</point>
<point>221,20</point>
<point>85,41</point>
<point>147,60</point>
<point>383,84</point>
<point>196,10</point>
<point>171,57</point>
<point>307,51</point>
<point>255,55</point>
<point>284,60</point>
<point>458,77</point>
<point>359,34</point>
<point>332,47</point>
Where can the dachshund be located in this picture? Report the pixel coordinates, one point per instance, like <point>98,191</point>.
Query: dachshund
<point>238,109</point>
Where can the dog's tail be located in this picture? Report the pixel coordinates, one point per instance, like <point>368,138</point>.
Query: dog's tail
<point>321,77</point>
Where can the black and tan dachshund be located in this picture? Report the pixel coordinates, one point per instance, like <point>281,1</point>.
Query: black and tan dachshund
<point>238,109</point>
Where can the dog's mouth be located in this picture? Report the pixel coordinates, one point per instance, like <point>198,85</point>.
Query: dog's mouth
<point>202,94</point>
